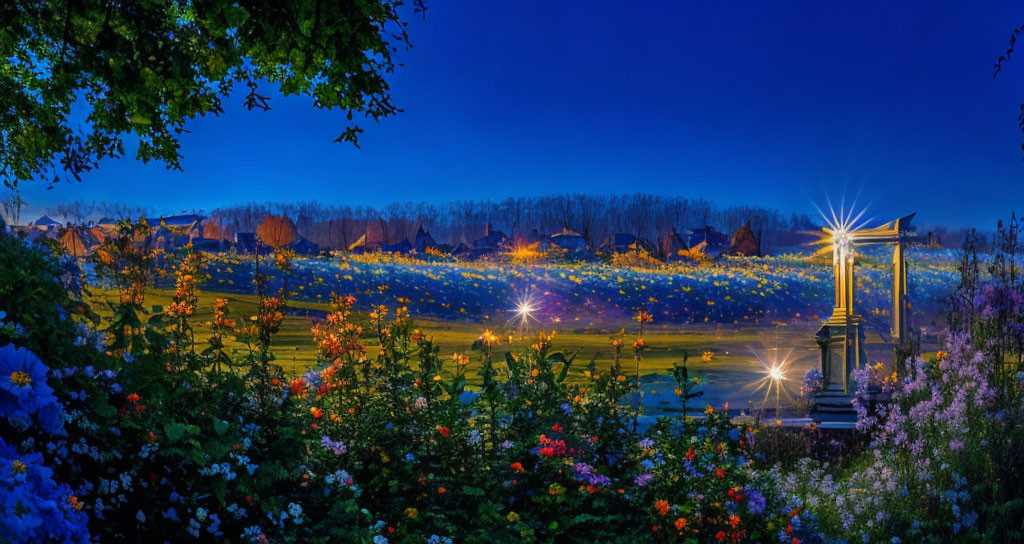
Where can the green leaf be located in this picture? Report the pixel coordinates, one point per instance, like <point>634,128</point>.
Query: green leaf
<point>513,365</point>
<point>565,368</point>
<point>175,431</point>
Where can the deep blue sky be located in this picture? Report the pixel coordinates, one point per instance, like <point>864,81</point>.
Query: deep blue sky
<point>765,103</point>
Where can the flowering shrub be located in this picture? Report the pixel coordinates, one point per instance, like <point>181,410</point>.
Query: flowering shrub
<point>812,384</point>
<point>932,463</point>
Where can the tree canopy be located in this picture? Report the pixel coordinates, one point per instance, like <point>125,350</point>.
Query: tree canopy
<point>142,68</point>
<point>276,231</point>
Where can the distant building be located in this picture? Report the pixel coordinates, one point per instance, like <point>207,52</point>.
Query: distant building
<point>671,245</point>
<point>302,246</point>
<point>423,241</point>
<point>569,240</point>
<point>73,243</point>
<point>492,239</point>
<point>189,226</point>
<point>623,242</point>
<point>717,242</point>
<point>245,243</point>
<point>402,247</point>
<point>745,243</point>
<point>45,222</point>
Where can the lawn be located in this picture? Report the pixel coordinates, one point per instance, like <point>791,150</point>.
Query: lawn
<point>733,346</point>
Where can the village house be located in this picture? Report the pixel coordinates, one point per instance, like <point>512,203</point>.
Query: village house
<point>568,240</point>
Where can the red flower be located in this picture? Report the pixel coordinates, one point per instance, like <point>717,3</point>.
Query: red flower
<point>720,535</point>
<point>518,467</point>
<point>547,451</point>
<point>680,524</point>
<point>132,398</point>
<point>445,431</point>
<point>690,454</point>
<point>316,412</point>
<point>719,472</point>
<point>298,387</point>
<point>556,427</point>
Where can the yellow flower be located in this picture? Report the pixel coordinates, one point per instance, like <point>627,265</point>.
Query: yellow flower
<point>412,513</point>
<point>512,517</point>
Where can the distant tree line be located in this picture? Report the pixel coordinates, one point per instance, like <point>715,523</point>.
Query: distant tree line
<point>463,221</point>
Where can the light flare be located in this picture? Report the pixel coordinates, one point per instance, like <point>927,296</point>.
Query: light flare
<point>527,304</point>
<point>775,376</point>
<point>840,236</point>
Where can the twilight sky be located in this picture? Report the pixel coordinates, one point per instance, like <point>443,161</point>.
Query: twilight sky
<point>770,103</point>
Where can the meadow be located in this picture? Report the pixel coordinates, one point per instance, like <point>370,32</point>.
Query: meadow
<point>721,316</point>
<point>731,290</point>
<point>207,416</point>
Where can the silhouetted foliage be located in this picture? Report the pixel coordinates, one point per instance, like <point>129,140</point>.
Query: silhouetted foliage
<point>145,67</point>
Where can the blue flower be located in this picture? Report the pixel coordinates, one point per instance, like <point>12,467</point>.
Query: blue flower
<point>467,396</point>
<point>37,508</point>
<point>24,391</point>
<point>755,502</point>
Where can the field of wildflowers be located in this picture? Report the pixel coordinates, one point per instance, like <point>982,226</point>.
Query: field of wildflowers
<point>126,429</point>
<point>729,290</point>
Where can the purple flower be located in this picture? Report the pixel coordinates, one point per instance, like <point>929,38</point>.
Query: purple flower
<point>643,479</point>
<point>337,448</point>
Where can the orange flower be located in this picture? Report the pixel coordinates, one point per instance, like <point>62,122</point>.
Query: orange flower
<point>662,507</point>
<point>441,491</point>
<point>316,412</point>
<point>680,524</point>
<point>518,467</point>
<point>734,520</point>
<point>132,398</point>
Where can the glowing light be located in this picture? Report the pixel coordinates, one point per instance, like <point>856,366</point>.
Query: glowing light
<point>521,252</point>
<point>774,375</point>
<point>526,307</point>
<point>840,236</point>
